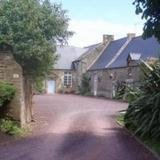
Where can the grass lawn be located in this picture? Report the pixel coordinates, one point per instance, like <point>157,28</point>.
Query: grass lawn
<point>152,144</point>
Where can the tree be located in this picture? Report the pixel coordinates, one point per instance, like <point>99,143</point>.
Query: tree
<point>32,28</point>
<point>150,10</point>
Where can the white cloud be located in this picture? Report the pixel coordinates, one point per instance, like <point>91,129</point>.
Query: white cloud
<point>90,32</point>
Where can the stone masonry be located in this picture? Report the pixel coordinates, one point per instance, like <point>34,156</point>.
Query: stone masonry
<point>89,58</point>
<point>107,79</point>
<point>11,72</point>
<point>58,76</point>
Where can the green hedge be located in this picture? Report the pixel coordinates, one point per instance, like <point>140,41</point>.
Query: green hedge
<point>7,92</point>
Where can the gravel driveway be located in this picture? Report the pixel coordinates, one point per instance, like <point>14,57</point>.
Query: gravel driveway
<point>71,127</point>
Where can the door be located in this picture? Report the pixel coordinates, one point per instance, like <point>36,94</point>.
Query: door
<point>50,86</point>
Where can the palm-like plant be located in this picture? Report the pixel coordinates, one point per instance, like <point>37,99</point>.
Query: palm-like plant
<point>143,115</point>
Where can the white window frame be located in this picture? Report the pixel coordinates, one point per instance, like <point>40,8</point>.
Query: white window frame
<point>67,79</point>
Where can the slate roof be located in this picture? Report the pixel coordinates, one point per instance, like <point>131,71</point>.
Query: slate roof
<point>108,54</point>
<point>68,54</point>
<point>149,48</point>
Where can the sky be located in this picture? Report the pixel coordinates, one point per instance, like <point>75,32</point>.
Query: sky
<point>90,19</point>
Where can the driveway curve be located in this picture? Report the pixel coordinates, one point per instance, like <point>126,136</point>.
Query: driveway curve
<point>72,127</point>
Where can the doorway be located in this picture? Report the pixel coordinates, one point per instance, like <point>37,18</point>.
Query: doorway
<point>51,86</point>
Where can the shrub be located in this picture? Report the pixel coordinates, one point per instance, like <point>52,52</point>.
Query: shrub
<point>85,88</point>
<point>120,90</point>
<point>11,127</point>
<point>128,93</point>
<point>7,92</point>
<point>143,115</point>
<point>39,86</point>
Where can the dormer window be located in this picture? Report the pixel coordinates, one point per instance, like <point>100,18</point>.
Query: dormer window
<point>133,58</point>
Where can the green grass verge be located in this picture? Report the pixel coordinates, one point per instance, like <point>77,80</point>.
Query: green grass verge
<point>152,144</point>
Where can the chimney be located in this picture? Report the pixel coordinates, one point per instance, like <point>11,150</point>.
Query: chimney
<point>131,35</point>
<point>107,38</point>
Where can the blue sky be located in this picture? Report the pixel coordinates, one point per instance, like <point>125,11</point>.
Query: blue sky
<point>90,19</point>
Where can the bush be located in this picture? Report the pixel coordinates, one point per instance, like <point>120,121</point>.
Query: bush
<point>11,127</point>
<point>128,93</point>
<point>85,88</point>
<point>39,86</point>
<point>120,90</point>
<point>143,115</point>
<point>7,92</point>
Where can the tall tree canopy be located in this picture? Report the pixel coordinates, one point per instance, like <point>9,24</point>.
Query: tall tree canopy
<point>150,10</point>
<point>32,28</point>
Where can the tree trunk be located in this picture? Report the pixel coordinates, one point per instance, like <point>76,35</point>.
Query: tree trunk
<point>28,98</point>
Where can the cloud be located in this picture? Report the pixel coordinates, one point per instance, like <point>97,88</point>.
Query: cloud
<point>89,32</point>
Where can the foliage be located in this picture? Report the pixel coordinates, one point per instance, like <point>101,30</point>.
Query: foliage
<point>39,86</point>
<point>120,90</point>
<point>120,118</point>
<point>150,10</point>
<point>33,28</point>
<point>11,127</point>
<point>85,88</point>
<point>151,143</point>
<point>143,115</point>
<point>132,93</point>
<point>7,92</point>
<point>128,93</point>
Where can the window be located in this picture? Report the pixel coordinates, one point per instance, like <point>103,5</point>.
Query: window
<point>67,79</point>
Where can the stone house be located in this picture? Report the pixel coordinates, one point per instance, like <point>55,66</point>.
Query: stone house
<point>73,62</point>
<point>63,78</point>
<point>109,64</point>
<point>86,60</point>
<point>11,72</point>
<point>119,63</point>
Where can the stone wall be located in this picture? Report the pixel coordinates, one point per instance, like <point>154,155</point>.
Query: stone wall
<point>11,72</point>
<point>106,80</point>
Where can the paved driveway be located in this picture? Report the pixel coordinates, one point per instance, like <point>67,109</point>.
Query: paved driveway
<point>75,128</point>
